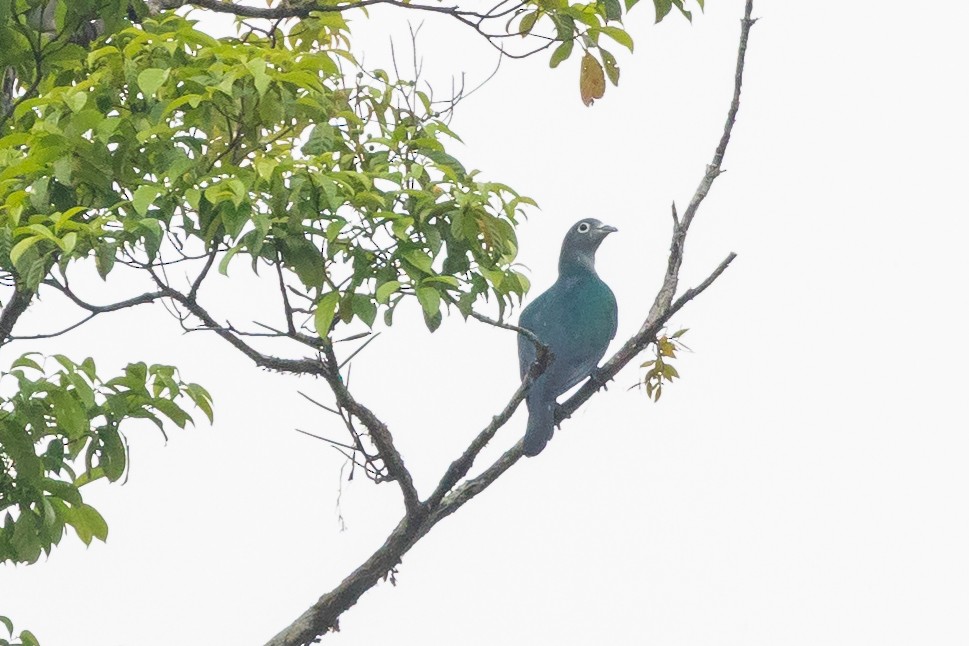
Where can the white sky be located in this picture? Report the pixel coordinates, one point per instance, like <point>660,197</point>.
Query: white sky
<point>805,482</point>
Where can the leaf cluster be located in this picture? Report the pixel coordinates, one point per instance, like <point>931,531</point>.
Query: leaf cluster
<point>270,147</point>
<point>62,429</point>
<point>660,370</point>
<point>589,25</point>
<point>24,638</point>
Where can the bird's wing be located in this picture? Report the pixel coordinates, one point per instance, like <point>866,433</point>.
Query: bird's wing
<point>587,336</point>
<point>613,312</point>
<point>534,320</point>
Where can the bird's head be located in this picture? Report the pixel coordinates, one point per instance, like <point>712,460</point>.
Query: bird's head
<point>581,242</point>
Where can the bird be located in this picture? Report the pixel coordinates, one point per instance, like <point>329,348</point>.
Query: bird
<point>575,318</point>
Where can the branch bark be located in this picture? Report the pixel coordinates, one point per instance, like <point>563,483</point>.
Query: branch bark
<point>12,310</point>
<point>450,495</point>
<point>379,434</point>
<point>302,9</point>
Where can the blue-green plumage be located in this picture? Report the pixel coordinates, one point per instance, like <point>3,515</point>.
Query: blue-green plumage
<point>576,318</point>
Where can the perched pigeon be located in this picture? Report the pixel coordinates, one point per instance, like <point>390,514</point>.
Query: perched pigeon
<point>576,319</point>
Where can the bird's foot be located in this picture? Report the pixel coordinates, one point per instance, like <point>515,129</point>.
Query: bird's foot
<point>559,415</point>
<point>598,380</point>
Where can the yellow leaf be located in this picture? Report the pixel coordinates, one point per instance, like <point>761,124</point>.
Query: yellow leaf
<point>592,80</point>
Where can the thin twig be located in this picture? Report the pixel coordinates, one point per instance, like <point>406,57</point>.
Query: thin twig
<point>326,439</point>
<point>358,350</point>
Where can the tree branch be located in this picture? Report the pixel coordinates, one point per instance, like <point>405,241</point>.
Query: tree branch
<point>304,366</point>
<point>449,496</point>
<point>299,10</point>
<point>284,10</point>
<point>12,311</point>
<point>141,299</point>
<point>379,434</point>
<point>460,467</point>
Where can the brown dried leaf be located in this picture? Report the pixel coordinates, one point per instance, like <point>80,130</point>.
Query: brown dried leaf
<point>592,79</point>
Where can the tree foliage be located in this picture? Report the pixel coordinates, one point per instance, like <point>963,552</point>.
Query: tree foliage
<point>61,430</point>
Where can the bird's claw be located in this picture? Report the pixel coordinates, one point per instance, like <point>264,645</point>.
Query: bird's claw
<point>596,379</point>
<point>559,415</point>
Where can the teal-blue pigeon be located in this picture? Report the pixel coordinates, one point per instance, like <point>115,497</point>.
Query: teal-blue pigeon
<point>576,318</point>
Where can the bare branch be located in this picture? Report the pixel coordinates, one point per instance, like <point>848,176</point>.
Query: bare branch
<point>539,346</point>
<point>12,310</point>
<point>51,335</point>
<point>209,261</point>
<point>141,299</point>
<point>680,229</point>
<point>379,434</point>
<point>460,467</point>
<point>363,345</point>
<point>304,366</point>
<point>302,9</point>
<point>287,307</point>
<point>320,404</point>
<point>326,439</point>
<point>472,487</point>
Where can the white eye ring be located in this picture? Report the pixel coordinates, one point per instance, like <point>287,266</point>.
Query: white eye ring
<point>583,227</point>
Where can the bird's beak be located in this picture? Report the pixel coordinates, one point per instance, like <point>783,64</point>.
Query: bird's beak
<point>606,229</point>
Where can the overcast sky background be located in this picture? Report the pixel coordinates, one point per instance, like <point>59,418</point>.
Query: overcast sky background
<point>804,483</point>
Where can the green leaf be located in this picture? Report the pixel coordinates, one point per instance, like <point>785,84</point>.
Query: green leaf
<point>25,541</point>
<point>201,397</point>
<point>25,361</point>
<point>113,454</point>
<point>33,273</point>
<point>385,290</point>
<point>612,67</point>
<point>172,411</point>
<point>325,310</point>
<point>419,259</point>
<point>63,490</point>
<point>151,79</point>
<point>613,9</point>
<point>27,638</point>
<point>265,168</point>
<point>528,21</point>
<point>662,8</point>
<point>68,242</point>
<point>619,35</point>
<point>104,257</point>
<point>320,140</point>
<point>686,14</point>
<point>364,308</point>
<point>561,52</point>
<point>143,197</point>
<point>433,322</point>
<point>21,247</point>
<point>260,79</point>
<point>306,260</point>
<point>69,414</point>
<point>87,522</point>
<point>430,300</point>
<point>76,101</point>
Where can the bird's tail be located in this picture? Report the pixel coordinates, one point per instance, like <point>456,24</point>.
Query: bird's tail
<point>541,425</point>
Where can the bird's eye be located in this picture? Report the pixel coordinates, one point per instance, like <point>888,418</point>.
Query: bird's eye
<point>583,227</point>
